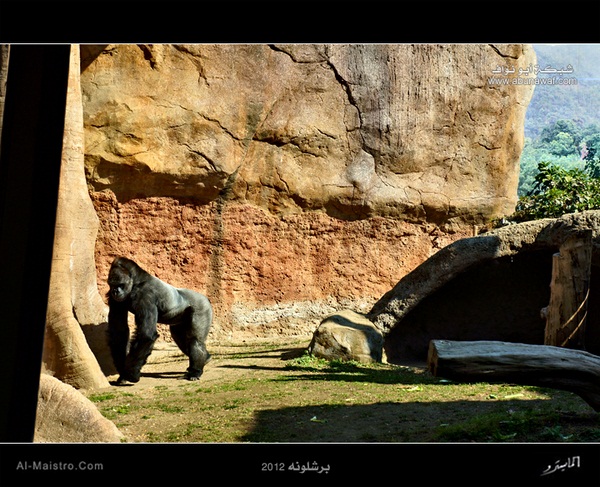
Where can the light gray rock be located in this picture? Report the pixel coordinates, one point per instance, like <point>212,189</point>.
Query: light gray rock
<point>347,335</point>
<point>64,415</point>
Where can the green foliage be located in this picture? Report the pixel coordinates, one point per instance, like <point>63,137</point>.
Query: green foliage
<point>562,129</point>
<point>558,191</point>
<point>564,143</point>
<point>562,138</point>
<point>592,153</point>
<point>560,171</point>
<point>497,426</point>
<point>101,397</point>
<point>533,153</point>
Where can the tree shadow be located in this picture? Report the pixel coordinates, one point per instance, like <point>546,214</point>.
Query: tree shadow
<point>560,417</point>
<point>441,422</point>
<point>348,372</point>
<point>164,375</point>
<point>286,353</point>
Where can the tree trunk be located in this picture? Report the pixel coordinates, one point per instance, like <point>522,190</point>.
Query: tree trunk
<point>569,290</point>
<point>538,365</point>
<point>4,55</point>
<point>74,298</point>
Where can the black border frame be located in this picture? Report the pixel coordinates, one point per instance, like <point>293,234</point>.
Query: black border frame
<point>28,192</point>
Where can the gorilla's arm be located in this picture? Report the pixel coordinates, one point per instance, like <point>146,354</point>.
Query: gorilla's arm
<point>118,334</point>
<point>146,316</point>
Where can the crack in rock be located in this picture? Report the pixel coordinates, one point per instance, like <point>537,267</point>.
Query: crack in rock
<point>500,53</point>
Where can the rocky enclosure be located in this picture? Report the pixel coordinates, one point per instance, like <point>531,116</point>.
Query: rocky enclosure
<point>286,182</point>
<point>494,286</point>
<point>267,276</point>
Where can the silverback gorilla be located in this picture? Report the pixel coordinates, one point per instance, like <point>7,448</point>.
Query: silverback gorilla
<point>153,301</point>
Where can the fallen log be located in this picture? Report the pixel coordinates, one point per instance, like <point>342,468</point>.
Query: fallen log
<point>518,363</point>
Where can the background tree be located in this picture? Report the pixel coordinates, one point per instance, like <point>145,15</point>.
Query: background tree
<point>592,154</point>
<point>560,143</point>
<point>558,191</point>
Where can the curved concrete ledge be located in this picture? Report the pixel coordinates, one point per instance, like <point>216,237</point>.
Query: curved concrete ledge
<point>488,287</point>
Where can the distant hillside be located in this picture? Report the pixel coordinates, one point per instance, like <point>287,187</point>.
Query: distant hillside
<point>579,102</point>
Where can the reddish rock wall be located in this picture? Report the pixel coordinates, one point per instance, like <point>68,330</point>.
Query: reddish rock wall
<point>267,276</point>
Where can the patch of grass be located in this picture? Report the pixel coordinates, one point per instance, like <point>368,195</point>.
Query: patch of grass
<point>102,397</point>
<point>153,437</point>
<point>235,403</point>
<point>352,371</point>
<point>225,387</point>
<point>592,435</point>
<point>502,426</point>
<point>169,408</point>
<point>307,362</point>
<point>113,412</point>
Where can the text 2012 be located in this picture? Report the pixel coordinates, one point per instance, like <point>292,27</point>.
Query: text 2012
<point>295,467</point>
<point>273,467</point>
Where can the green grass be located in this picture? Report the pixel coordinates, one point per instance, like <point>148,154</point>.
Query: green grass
<point>169,408</point>
<point>496,426</point>
<point>225,387</point>
<point>114,412</point>
<point>311,400</point>
<point>102,397</point>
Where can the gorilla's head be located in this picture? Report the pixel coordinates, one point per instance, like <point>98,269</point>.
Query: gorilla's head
<point>120,282</point>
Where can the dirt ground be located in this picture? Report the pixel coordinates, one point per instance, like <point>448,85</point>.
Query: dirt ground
<point>275,392</point>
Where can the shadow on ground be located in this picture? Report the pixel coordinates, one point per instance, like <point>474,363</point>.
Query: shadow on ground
<point>403,422</point>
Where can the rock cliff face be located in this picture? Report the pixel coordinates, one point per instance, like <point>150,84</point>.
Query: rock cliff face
<point>407,131</point>
<point>284,180</point>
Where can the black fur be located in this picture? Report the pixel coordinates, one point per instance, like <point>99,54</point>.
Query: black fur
<point>153,301</point>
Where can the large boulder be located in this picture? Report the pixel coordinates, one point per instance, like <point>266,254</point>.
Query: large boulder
<point>347,335</point>
<point>65,415</point>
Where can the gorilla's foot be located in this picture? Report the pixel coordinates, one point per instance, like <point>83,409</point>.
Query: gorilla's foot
<point>126,381</point>
<point>193,374</point>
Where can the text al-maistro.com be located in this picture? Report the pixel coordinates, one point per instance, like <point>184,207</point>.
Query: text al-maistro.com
<point>59,466</point>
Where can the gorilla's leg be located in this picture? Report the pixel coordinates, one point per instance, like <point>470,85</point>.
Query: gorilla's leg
<point>118,338</point>
<point>141,347</point>
<point>179,335</point>
<point>199,357</point>
<point>193,346</point>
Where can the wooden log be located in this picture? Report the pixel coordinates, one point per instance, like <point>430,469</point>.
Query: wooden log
<point>569,291</point>
<point>518,363</point>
